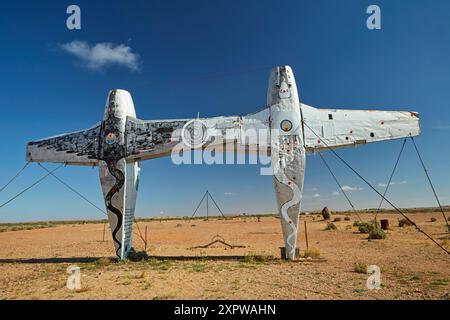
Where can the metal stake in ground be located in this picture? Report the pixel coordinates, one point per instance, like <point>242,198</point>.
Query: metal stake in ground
<point>306,236</point>
<point>104,229</point>
<point>145,238</point>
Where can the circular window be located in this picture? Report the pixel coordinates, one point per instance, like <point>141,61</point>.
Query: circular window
<point>286,125</point>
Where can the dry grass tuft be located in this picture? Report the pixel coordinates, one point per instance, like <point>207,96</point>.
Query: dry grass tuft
<point>360,267</point>
<point>137,255</point>
<point>312,253</point>
<point>404,223</point>
<point>330,226</point>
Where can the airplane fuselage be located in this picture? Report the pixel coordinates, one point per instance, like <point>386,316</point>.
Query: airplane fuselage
<point>290,129</point>
<point>118,178</point>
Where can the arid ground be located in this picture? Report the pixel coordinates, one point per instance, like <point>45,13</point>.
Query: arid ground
<point>33,263</point>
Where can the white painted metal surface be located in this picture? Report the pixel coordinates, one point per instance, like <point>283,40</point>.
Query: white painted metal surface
<point>286,127</point>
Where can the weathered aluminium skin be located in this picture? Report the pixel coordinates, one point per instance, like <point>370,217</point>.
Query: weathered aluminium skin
<point>121,141</point>
<point>288,153</point>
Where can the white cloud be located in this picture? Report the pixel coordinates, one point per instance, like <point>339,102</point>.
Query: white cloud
<point>348,188</point>
<point>335,193</point>
<point>441,126</point>
<point>102,55</point>
<point>312,196</point>
<point>228,193</point>
<point>313,189</point>
<point>384,185</point>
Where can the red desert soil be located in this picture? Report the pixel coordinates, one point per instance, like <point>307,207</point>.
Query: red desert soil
<point>33,263</point>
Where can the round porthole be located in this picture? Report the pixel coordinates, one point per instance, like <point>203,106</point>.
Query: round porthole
<point>286,125</point>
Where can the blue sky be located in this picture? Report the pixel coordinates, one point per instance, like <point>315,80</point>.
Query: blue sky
<point>214,57</point>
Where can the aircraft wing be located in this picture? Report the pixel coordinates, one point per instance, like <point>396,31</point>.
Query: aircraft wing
<point>344,128</point>
<point>76,148</point>
<point>153,139</point>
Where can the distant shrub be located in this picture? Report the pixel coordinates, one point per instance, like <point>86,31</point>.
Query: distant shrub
<point>337,219</point>
<point>364,227</point>
<point>404,223</point>
<point>347,218</point>
<point>377,233</point>
<point>373,228</point>
<point>326,213</point>
<point>360,267</point>
<point>433,219</point>
<point>330,226</point>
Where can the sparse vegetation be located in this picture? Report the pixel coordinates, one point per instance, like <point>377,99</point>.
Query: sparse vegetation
<point>414,268</point>
<point>25,226</point>
<point>363,227</point>
<point>163,297</point>
<point>330,226</point>
<point>160,264</point>
<point>337,219</point>
<point>404,223</point>
<point>255,259</point>
<point>347,218</point>
<point>137,255</point>
<point>198,267</point>
<point>372,228</point>
<point>312,253</point>
<point>102,261</point>
<point>377,233</point>
<point>360,267</point>
<point>432,219</point>
<point>440,282</point>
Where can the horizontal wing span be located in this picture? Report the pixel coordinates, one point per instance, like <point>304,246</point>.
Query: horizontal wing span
<point>343,128</point>
<point>77,148</point>
<point>153,139</point>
